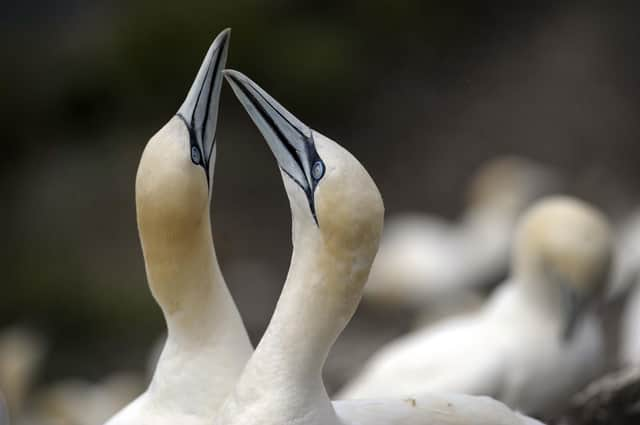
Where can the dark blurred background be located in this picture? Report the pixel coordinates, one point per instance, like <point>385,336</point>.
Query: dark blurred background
<point>422,92</point>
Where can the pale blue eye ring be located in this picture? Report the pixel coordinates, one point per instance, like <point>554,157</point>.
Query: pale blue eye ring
<point>195,155</point>
<point>317,171</point>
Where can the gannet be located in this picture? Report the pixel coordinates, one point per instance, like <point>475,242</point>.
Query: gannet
<point>207,344</point>
<point>630,336</point>
<point>623,294</point>
<point>21,354</point>
<point>626,263</point>
<point>4,411</point>
<point>80,402</point>
<point>418,264</point>
<point>535,343</point>
<point>337,214</point>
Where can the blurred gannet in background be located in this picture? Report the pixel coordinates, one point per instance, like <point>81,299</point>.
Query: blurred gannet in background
<point>4,411</point>
<point>21,354</point>
<point>624,291</point>
<point>630,337</point>
<point>80,402</point>
<point>207,345</point>
<point>626,264</point>
<point>337,215</point>
<point>420,257</point>
<point>535,343</point>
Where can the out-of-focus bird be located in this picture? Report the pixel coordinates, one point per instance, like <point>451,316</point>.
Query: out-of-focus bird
<point>420,257</point>
<point>536,341</point>
<point>626,264</point>
<point>623,295</point>
<point>80,402</point>
<point>4,411</point>
<point>207,345</point>
<point>630,336</point>
<point>21,354</point>
<point>337,215</point>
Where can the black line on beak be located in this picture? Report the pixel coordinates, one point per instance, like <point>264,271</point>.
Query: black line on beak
<point>196,111</point>
<point>290,148</point>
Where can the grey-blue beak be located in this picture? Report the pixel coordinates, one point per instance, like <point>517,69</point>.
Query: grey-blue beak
<point>290,140</point>
<point>200,109</point>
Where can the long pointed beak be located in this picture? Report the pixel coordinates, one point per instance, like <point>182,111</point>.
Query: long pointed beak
<point>290,140</point>
<point>200,109</point>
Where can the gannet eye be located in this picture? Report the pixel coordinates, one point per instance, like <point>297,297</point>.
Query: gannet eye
<point>195,155</point>
<point>317,171</point>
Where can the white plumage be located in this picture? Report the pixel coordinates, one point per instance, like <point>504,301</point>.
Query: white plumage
<point>419,261</point>
<point>630,337</point>
<point>514,348</point>
<point>337,215</point>
<point>626,286</point>
<point>21,356</point>
<point>626,265</point>
<point>207,345</point>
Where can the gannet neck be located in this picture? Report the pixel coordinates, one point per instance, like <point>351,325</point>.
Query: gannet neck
<point>283,377</point>
<point>539,293</point>
<point>185,278</point>
<point>308,312</point>
<point>202,320</point>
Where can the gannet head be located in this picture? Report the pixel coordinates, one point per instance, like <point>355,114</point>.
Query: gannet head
<point>509,184</point>
<point>568,243</point>
<point>174,179</point>
<point>336,207</point>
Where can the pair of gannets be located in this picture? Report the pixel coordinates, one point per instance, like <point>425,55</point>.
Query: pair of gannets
<point>207,373</point>
<point>535,343</point>
<point>420,256</point>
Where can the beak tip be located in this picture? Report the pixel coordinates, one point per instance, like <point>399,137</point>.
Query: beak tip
<point>225,34</point>
<point>232,74</point>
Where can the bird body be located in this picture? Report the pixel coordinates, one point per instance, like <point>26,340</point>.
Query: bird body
<point>486,353</point>
<point>420,256</point>
<point>626,266</point>
<point>630,337</point>
<point>626,286</point>
<point>526,346</point>
<point>431,409</point>
<point>207,344</point>
<point>337,213</point>
<point>21,356</point>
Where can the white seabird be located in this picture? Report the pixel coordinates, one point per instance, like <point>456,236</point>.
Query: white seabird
<point>337,215</point>
<point>630,336</point>
<point>418,264</point>
<point>535,343</point>
<point>207,344</point>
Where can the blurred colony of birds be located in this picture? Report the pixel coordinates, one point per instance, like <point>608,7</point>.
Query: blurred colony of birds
<point>190,244</point>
